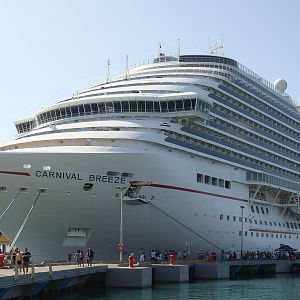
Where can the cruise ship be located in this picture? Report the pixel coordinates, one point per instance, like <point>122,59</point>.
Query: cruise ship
<point>183,152</point>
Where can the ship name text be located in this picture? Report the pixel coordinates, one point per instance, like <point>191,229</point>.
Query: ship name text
<point>78,176</point>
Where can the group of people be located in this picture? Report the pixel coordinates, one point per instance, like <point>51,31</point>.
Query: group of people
<point>259,255</point>
<point>156,256</point>
<point>21,259</point>
<point>79,257</point>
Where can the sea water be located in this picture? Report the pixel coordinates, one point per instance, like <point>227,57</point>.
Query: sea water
<point>280,287</point>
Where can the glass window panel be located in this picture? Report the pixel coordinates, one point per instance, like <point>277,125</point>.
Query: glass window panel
<point>87,108</point>
<point>94,107</point>
<point>81,110</point>
<point>133,106</point>
<point>163,105</point>
<point>171,105</point>
<point>141,106</point>
<point>117,106</point>
<point>179,105</point>
<point>149,106</point>
<point>125,106</point>
<point>156,107</point>
<point>101,107</point>
<point>109,107</point>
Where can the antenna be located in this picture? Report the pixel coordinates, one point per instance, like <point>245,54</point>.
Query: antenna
<point>178,50</point>
<point>127,71</point>
<point>108,71</point>
<point>214,48</point>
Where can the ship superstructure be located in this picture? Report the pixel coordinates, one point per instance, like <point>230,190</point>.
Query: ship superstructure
<point>207,152</point>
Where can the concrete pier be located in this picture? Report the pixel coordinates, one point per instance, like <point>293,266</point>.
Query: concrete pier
<point>137,277</point>
<point>57,277</point>
<point>170,273</point>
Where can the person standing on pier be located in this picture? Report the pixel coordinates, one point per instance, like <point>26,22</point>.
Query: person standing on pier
<point>26,257</point>
<point>89,257</point>
<point>19,258</point>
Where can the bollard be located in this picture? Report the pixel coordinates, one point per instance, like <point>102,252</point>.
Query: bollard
<point>50,269</point>
<point>172,259</point>
<point>32,270</point>
<point>16,272</point>
<point>130,260</point>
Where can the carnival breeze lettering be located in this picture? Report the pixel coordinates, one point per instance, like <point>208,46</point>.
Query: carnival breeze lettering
<point>77,176</point>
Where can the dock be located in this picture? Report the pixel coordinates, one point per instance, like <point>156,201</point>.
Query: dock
<point>61,276</point>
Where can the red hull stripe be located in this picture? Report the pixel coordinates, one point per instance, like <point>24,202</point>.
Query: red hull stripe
<point>15,173</point>
<point>274,231</point>
<point>171,187</point>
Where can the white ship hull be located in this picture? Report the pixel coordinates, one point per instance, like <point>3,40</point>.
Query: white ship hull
<point>179,209</point>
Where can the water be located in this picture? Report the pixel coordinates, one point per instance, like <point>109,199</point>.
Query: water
<point>279,287</point>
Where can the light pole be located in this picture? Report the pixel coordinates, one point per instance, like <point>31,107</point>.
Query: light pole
<point>242,233</point>
<point>121,245</point>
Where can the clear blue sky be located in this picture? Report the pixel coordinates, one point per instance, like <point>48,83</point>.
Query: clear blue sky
<point>52,48</point>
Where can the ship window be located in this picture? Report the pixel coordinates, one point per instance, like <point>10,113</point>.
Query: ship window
<point>228,218</point>
<point>74,110</point>
<point>179,105</point>
<point>257,209</point>
<point>221,217</point>
<point>276,235</point>
<point>87,108</point>
<point>267,210</point>
<point>156,106</point>
<point>246,233</point>
<point>149,106</point>
<point>125,106</point>
<point>163,105</point>
<point>221,183</point>
<point>207,179</point>
<point>102,108</point>
<point>270,223</point>
<point>255,221</point>
<point>287,225</point>
<point>260,222</point>
<point>94,107</point>
<point>262,234</point>
<point>251,233</point>
<point>171,105</point>
<point>275,224</point>
<point>250,221</point>
<point>280,236</point>
<point>295,225</point>
<point>262,210</point>
<point>246,220</point>
<point>252,208</point>
<point>214,181</point>
<point>292,226</point>
<point>199,177</point>
<point>81,110</point>
<point>234,218</point>
<point>299,225</point>
<point>133,106</point>
<point>117,106</point>
<point>279,224</point>
<point>109,107</point>
<point>266,223</point>
<point>187,104</point>
<point>227,184</point>
<point>193,103</point>
<point>257,234</point>
<point>141,106</point>
<point>240,233</point>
